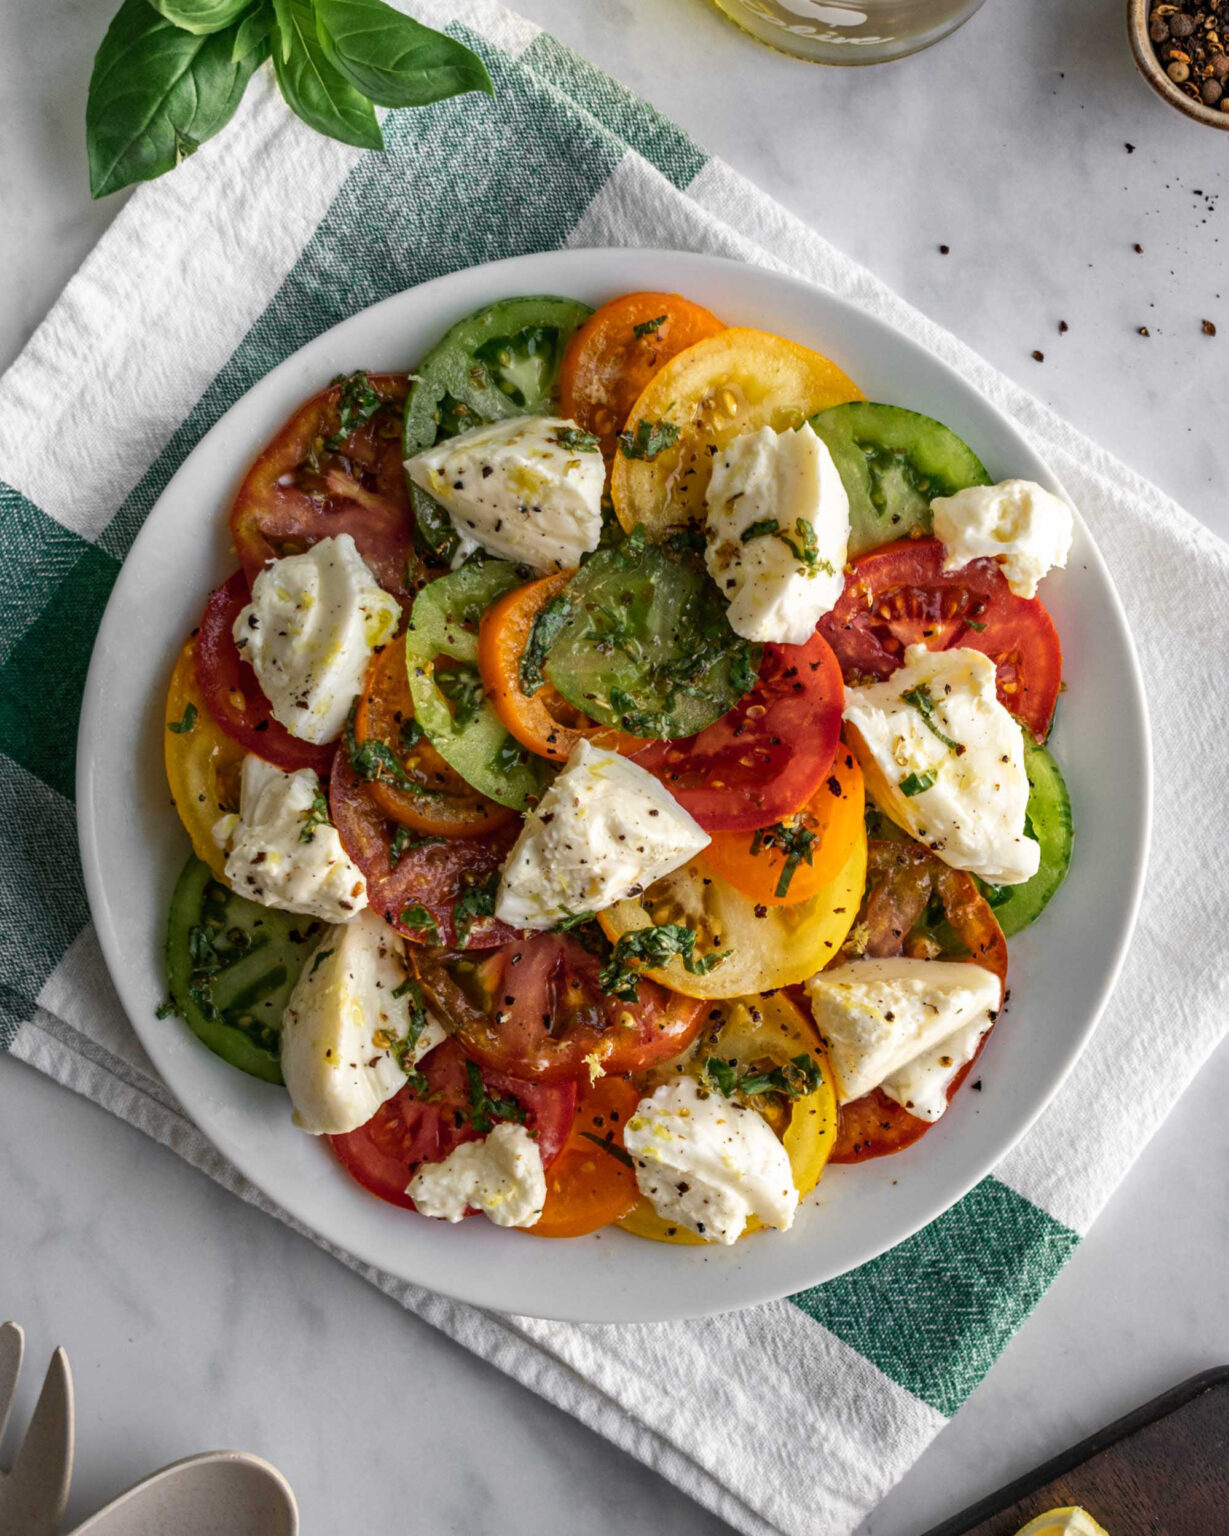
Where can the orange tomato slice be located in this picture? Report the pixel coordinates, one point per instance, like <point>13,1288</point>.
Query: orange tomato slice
<point>438,800</point>
<point>755,864</point>
<point>586,1187</point>
<point>618,350</point>
<point>543,721</point>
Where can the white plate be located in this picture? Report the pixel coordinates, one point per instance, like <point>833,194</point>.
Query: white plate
<point>1061,970</point>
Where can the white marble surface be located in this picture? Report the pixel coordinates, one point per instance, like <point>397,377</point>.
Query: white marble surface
<point>191,1320</point>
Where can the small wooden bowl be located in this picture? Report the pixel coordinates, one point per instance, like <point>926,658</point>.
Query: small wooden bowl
<point>1153,70</point>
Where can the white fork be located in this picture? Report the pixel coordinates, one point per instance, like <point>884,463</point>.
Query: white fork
<point>34,1491</point>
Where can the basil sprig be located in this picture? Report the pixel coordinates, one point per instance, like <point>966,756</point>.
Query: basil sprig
<point>170,74</point>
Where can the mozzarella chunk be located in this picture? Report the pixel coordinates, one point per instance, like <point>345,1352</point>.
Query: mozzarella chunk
<point>1026,528</point>
<point>604,830</point>
<point>309,632</point>
<point>777,533</point>
<point>501,1175</point>
<point>519,489</point>
<point>965,801</point>
<point>708,1163</point>
<point>276,859</point>
<point>906,1026</point>
<point>352,1030</point>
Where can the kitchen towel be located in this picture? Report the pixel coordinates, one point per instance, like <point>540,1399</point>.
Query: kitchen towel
<point>210,277</point>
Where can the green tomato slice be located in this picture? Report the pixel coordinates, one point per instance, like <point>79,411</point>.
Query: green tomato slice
<point>231,967</point>
<point>441,645</point>
<point>647,647</point>
<point>1049,821</point>
<point>501,361</point>
<point>893,463</point>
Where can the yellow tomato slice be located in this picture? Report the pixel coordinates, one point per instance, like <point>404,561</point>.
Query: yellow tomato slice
<point>1071,1520</point>
<point>834,816</point>
<point>765,947</point>
<point>761,1033</point>
<point>737,381</point>
<point>202,762</point>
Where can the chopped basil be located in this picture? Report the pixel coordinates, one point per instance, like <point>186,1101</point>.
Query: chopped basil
<point>648,440</point>
<point>796,842</point>
<point>649,327</point>
<point>411,734</point>
<point>916,783</point>
<point>685,541</point>
<point>652,946</point>
<point>182,727</point>
<point>794,1080</point>
<point>583,442</point>
<point>372,759</point>
<point>573,920</point>
<point>551,618</point>
<point>925,706</point>
<point>722,1075</point>
<point>316,815</point>
<point>484,1110</point>
<point>403,839</point>
<point>318,960</point>
<point>356,404</point>
<point>403,1047</point>
<point>417,916</point>
<point>166,1009</point>
<point>802,543</point>
<point>973,624</point>
<point>478,901</point>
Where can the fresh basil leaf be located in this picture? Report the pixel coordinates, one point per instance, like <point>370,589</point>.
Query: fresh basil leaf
<point>394,59</point>
<point>253,32</point>
<point>201,16</point>
<point>313,89</point>
<point>156,94</point>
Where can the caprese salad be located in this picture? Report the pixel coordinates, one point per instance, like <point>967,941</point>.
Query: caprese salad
<point>614,771</point>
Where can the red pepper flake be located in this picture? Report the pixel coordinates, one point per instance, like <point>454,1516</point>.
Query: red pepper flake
<point>1144,331</point>
<point>1209,329</point>
<point>1063,327</point>
<point>1039,357</point>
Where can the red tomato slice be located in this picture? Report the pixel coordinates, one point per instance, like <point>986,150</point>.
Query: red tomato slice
<point>534,1008</point>
<point>300,490</point>
<point>431,874</point>
<point>765,759</point>
<point>410,1130</point>
<point>233,695</point>
<point>899,596</point>
<point>900,880</point>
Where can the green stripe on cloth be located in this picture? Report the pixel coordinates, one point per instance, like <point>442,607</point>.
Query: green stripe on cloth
<point>662,143</point>
<point>935,1312</point>
<point>39,553</point>
<point>42,902</point>
<point>465,190</point>
<point>43,675</point>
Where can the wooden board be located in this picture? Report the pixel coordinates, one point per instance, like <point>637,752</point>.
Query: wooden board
<point>1161,1471</point>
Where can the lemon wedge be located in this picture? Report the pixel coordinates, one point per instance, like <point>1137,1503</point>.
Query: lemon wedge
<point>1071,1521</point>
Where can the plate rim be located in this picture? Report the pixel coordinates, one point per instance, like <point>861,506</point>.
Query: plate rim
<point>504,277</point>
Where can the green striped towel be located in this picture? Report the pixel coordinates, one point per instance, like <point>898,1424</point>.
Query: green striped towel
<point>213,275</point>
